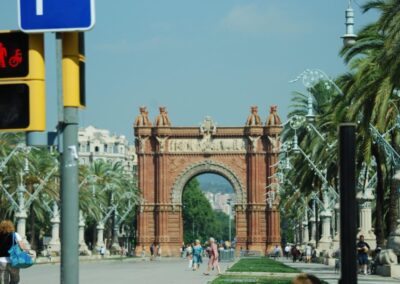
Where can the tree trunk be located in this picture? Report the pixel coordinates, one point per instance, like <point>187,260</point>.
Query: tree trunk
<point>380,197</point>
<point>32,218</point>
<point>392,210</point>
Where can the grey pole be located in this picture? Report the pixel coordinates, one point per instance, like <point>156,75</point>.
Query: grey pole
<point>229,220</point>
<point>348,212</point>
<point>68,126</point>
<point>70,199</point>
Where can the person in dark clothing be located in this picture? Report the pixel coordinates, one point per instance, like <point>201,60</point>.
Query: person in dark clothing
<point>8,274</point>
<point>152,251</point>
<point>362,254</point>
<point>295,253</point>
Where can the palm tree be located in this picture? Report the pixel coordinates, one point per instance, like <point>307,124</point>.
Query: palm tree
<point>40,182</point>
<point>108,187</point>
<point>369,89</point>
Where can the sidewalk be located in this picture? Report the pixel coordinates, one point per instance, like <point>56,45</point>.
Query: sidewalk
<point>328,274</point>
<point>127,271</point>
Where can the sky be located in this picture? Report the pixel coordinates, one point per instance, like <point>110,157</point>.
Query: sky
<point>198,58</point>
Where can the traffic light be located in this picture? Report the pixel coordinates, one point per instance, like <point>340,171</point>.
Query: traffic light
<point>22,85</point>
<point>73,66</point>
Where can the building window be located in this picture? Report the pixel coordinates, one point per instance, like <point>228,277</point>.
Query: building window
<point>88,147</point>
<point>96,149</point>
<point>105,148</point>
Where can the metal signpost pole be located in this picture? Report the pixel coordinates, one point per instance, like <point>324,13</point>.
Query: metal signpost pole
<point>68,127</point>
<point>70,199</point>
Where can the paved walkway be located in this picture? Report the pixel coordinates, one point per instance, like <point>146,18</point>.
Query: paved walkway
<point>166,270</point>
<point>328,274</point>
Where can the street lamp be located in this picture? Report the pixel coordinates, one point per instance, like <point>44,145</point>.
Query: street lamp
<point>229,219</point>
<point>349,38</point>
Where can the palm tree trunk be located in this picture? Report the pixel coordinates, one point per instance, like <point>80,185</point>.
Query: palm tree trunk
<point>392,211</point>
<point>32,219</point>
<point>380,196</point>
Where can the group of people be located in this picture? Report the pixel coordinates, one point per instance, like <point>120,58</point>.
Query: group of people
<point>195,252</point>
<point>155,251</point>
<point>306,254</point>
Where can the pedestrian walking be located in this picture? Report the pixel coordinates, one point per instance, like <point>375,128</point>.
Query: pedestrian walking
<point>213,261</point>
<point>197,252</point>
<point>182,250</point>
<point>308,253</point>
<point>295,253</point>
<point>277,251</point>
<point>189,255</point>
<point>159,251</point>
<point>152,248</point>
<point>102,251</point>
<point>287,251</point>
<point>143,253</point>
<point>8,274</point>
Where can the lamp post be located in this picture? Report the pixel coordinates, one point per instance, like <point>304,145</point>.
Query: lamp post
<point>229,219</point>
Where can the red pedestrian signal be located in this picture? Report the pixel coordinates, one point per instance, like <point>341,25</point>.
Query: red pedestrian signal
<point>14,48</point>
<point>22,86</point>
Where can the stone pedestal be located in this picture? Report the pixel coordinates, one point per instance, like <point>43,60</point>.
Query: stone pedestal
<point>326,238</point>
<point>313,224</point>
<point>336,238</point>
<point>388,270</point>
<point>115,247</point>
<point>54,244</point>
<point>394,240</point>
<point>305,231</point>
<point>21,226</point>
<point>83,248</point>
<point>100,236</point>
<point>364,199</point>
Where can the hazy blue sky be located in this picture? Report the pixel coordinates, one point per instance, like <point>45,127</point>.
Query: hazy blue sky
<point>198,58</point>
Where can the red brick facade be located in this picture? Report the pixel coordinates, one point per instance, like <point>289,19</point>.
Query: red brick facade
<point>168,157</point>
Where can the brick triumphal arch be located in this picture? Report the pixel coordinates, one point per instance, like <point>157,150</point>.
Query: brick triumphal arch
<point>168,157</point>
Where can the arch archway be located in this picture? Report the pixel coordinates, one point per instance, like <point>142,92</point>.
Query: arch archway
<point>168,157</point>
<point>203,167</point>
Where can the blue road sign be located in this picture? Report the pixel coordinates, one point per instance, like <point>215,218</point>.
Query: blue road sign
<point>55,15</point>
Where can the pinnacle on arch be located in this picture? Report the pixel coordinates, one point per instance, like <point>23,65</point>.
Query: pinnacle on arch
<point>254,118</point>
<point>142,120</point>
<point>273,117</point>
<point>162,120</point>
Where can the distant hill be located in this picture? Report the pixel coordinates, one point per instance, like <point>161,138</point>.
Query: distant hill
<point>214,183</point>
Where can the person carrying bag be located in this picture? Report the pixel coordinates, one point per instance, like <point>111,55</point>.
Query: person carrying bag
<point>11,249</point>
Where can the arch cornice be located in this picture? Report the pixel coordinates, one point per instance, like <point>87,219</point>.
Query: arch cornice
<point>208,166</point>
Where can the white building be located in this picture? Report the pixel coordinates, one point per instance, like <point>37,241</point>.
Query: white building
<point>94,144</point>
<point>219,201</point>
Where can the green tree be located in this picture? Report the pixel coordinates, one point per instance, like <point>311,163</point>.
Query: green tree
<point>198,216</point>
<point>370,86</point>
<point>200,221</point>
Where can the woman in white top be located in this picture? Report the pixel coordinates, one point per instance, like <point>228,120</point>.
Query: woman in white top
<point>8,274</point>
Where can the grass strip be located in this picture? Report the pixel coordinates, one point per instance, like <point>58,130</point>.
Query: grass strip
<point>254,280</point>
<point>261,264</point>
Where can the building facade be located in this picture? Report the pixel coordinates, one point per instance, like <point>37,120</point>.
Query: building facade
<point>95,144</point>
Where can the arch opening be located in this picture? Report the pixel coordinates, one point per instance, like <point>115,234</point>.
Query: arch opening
<point>207,209</point>
<point>210,167</point>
